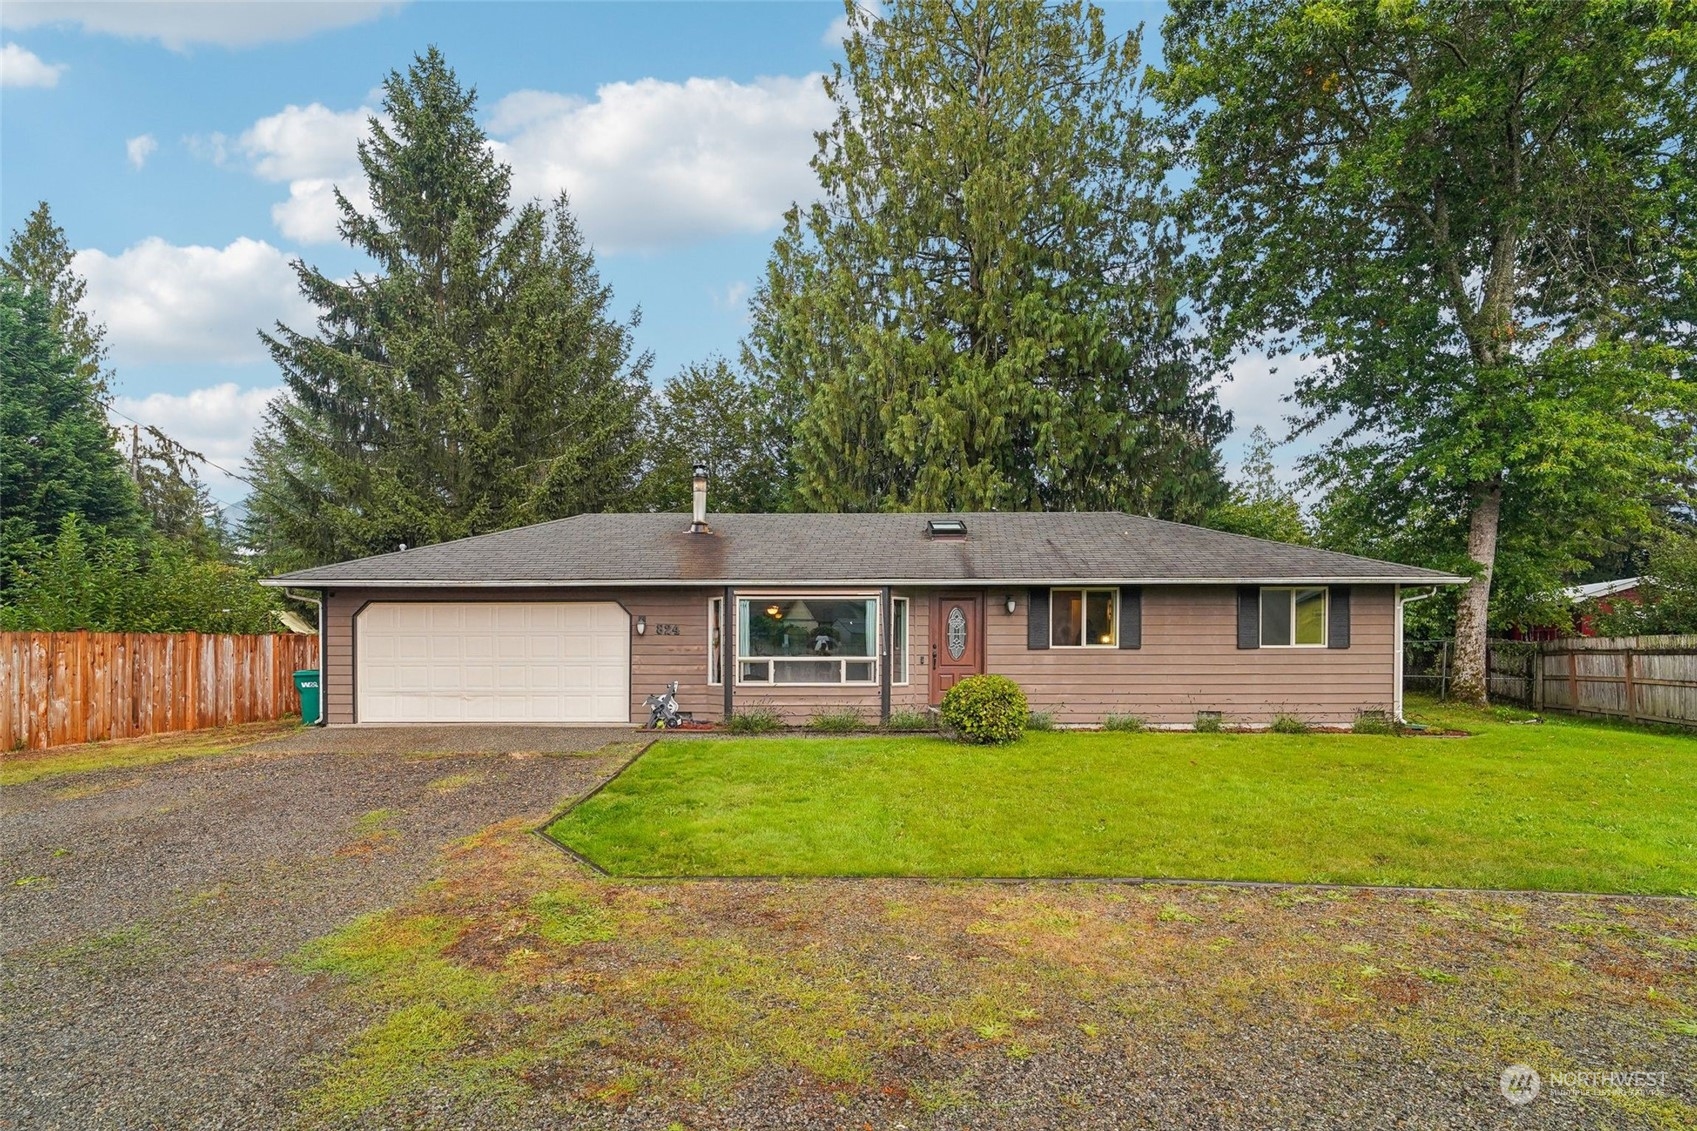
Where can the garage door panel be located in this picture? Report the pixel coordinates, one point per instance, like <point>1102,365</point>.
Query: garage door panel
<point>556,661</point>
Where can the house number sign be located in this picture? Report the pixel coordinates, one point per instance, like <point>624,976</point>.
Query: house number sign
<point>957,633</point>
<point>666,630</point>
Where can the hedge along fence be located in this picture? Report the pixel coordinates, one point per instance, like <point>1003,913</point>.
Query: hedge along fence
<point>58,688</point>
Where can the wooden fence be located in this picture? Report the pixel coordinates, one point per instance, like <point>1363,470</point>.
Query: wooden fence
<point>63,687</point>
<point>1643,679</point>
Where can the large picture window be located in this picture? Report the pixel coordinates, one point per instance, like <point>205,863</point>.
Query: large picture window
<point>1293,618</point>
<point>802,640</point>
<point>1083,618</point>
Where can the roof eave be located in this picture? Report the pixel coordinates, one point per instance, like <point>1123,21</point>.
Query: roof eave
<point>841,583</point>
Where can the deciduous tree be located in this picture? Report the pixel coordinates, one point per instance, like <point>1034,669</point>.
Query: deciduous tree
<point>1480,215</point>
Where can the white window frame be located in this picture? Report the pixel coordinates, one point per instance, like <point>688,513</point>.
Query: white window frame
<point>715,648</point>
<point>771,684</point>
<point>905,670</point>
<point>1084,614</point>
<point>1291,591</point>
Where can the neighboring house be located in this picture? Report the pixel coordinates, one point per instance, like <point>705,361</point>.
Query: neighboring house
<point>576,621</point>
<point>1587,600</point>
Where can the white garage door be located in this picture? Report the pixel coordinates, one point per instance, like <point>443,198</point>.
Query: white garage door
<point>492,662</point>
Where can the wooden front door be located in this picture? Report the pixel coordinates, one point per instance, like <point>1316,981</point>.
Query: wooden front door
<point>957,641</point>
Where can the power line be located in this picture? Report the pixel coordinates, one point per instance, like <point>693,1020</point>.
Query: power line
<point>197,455</point>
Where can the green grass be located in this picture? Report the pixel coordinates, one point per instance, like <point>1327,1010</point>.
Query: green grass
<point>1568,805</point>
<point>134,753</point>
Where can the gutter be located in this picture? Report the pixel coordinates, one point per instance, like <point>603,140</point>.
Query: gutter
<point>316,596</point>
<point>841,583</point>
<point>1402,600</point>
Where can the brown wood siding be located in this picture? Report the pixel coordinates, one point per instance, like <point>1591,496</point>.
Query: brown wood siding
<point>1190,662</point>
<point>656,659</point>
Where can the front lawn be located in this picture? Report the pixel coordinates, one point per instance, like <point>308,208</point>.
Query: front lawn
<point>1562,806</point>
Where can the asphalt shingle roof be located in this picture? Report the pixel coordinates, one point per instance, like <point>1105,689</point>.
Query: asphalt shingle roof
<point>1103,546</point>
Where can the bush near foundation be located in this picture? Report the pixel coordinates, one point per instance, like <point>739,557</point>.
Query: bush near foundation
<point>985,709</point>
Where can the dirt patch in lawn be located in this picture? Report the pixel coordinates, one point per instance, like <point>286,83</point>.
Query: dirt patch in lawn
<point>20,766</point>
<point>518,988</point>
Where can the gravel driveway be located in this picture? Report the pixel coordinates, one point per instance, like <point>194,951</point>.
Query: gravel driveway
<point>148,916</point>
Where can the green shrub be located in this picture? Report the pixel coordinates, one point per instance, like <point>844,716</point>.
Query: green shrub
<point>755,718</point>
<point>1128,723</point>
<point>838,722</point>
<point>1374,722</point>
<point>1039,720</point>
<point>910,721</point>
<point>1286,723</point>
<point>985,709</point>
<point>1210,722</point>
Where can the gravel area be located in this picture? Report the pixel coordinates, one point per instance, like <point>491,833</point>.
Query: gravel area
<point>148,916</point>
<point>447,740</point>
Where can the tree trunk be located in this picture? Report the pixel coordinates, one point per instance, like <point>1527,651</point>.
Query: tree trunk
<point>1471,616</point>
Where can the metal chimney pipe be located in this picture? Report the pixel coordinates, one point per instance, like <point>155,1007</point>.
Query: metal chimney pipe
<point>698,518</point>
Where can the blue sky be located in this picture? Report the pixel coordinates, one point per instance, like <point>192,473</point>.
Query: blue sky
<point>188,149</point>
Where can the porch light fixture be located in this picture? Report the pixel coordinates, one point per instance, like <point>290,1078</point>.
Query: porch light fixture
<point>641,625</point>
<point>1010,604</point>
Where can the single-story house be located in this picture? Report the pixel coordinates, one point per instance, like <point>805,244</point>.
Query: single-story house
<point>578,620</point>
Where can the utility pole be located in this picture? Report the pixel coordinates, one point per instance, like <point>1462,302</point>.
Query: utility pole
<point>135,454</point>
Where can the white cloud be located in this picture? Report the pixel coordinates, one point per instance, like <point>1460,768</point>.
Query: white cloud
<point>733,298</point>
<point>139,149</point>
<point>648,164</point>
<point>651,164</point>
<point>314,149</point>
<point>218,422</point>
<point>300,142</point>
<point>310,215</point>
<point>180,24</point>
<point>839,29</point>
<point>165,303</point>
<point>22,67</point>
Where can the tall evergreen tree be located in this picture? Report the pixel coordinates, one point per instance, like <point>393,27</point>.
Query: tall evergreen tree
<point>476,381</point>
<point>980,312</point>
<point>56,453</point>
<point>39,256</point>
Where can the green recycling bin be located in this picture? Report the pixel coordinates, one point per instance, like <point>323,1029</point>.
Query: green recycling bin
<point>307,684</point>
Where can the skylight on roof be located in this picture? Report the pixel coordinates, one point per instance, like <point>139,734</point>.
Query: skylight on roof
<point>945,528</point>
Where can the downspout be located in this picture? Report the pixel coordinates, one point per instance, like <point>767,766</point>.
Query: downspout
<point>1402,600</point>
<point>317,598</point>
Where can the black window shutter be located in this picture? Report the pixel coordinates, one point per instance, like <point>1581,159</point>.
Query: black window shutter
<point>1131,616</point>
<point>1337,618</point>
<point>1036,618</point>
<point>1248,616</point>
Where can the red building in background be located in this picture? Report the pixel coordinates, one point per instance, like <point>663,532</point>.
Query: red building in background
<point>1594,597</point>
